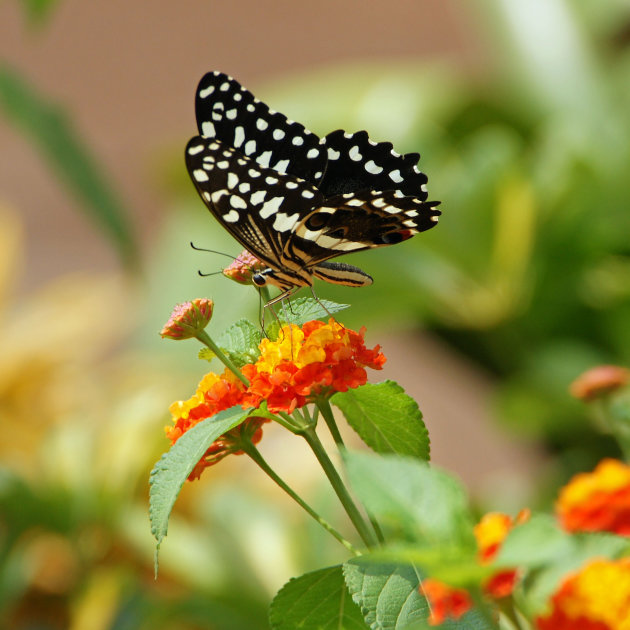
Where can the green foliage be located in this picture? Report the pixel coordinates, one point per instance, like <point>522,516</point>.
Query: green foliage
<point>425,504</point>
<point>302,310</point>
<point>49,127</point>
<point>239,342</point>
<point>317,600</point>
<point>38,11</point>
<point>386,419</point>
<point>172,470</point>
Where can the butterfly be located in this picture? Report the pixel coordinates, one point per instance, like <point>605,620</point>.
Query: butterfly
<point>295,200</point>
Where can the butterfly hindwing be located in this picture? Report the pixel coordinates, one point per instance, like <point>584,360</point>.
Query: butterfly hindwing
<point>357,163</point>
<point>356,221</point>
<point>230,113</point>
<point>258,206</point>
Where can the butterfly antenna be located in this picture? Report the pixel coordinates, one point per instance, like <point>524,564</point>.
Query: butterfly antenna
<point>322,305</point>
<point>205,275</point>
<point>211,251</point>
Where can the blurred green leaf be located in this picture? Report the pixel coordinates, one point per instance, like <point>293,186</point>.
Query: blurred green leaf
<point>49,127</point>
<point>386,419</point>
<point>317,601</point>
<point>172,470</point>
<point>38,11</point>
<point>428,505</point>
<point>240,342</point>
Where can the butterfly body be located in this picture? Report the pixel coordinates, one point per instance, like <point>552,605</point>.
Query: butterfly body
<point>294,200</point>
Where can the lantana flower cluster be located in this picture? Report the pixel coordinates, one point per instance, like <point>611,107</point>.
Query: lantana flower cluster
<point>448,602</point>
<point>304,364</point>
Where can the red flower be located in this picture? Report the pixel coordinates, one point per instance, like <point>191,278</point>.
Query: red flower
<point>599,381</point>
<point>444,601</point>
<point>598,501</point>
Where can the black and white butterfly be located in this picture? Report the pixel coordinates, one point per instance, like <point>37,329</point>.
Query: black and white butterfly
<point>294,200</point>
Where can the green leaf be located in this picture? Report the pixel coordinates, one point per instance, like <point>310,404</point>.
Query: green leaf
<point>389,597</point>
<point>426,505</point>
<point>239,342</point>
<point>52,132</point>
<point>306,309</point>
<point>387,594</point>
<point>316,601</point>
<point>386,419</point>
<point>172,470</point>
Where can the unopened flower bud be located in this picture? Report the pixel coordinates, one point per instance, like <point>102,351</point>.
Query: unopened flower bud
<point>188,319</point>
<point>243,268</point>
<point>599,381</point>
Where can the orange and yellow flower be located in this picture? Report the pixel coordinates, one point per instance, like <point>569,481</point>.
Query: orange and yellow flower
<point>595,598</point>
<point>598,501</point>
<point>490,533</point>
<point>305,363</point>
<point>447,602</point>
<point>599,381</point>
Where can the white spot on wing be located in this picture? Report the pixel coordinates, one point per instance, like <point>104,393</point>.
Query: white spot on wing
<point>206,91</point>
<point>291,185</point>
<point>224,86</point>
<point>195,150</point>
<point>264,158</point>
<point>250,147</point>
<point>307,194</point>
<point>232,180</point>
<point>278,134</point>
<point>395,176</point>
<point>281,166</point>
<point>237,202</point>
<point>372,167</point>
<point>332,154</point>
<point>354,202</point>
<point>262,124</point>
<point>239,136</point>
<point>271,180</point>
<point>271,207</point>
<point>258,197</point>
<point>207,129</point>
<point>231,114</point>
<point>200,175</point>
<point>223,164</point>
<point>253,172</point>
<point>354,153</point>
<point>298,141</point>
<point>313,153</point>
<point>231,217</point>
<point>284,222</point>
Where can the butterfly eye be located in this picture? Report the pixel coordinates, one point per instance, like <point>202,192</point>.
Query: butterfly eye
<point>317,220</point>
<point>259,279</point>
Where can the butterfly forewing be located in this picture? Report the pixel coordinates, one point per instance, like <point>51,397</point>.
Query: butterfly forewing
<point>258,206</point>
<point>357,163</point>
<point>228,112</point>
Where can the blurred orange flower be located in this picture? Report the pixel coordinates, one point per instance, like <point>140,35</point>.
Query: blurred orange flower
<point>599,381</point>
<point>598,501</point>
<point>444,601</point>
<point>596,598</point>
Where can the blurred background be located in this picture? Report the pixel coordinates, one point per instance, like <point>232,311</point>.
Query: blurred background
<point>521,112</point>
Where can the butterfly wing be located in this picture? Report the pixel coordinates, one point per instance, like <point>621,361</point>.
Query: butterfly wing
<point>258,206</point>
<point>226,111</point>
<point>357,163</point>
<point>357,221</point>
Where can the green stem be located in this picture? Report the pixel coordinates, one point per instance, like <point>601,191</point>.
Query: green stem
<point>202,335</point>
<point>254,453</point>
<point>324,405</point>
<point>329,418</point>
<point>335,481</point>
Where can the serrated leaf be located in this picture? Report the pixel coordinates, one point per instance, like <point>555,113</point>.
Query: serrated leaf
<point>425,504</point>
<point>172,470</point>
<point>242,337</point>
<point>386,419</point>
<point>387,594</point>
<point>316,601</point>
<point>49,128</point>
<point>306,309</point>
<point>389,597</point>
